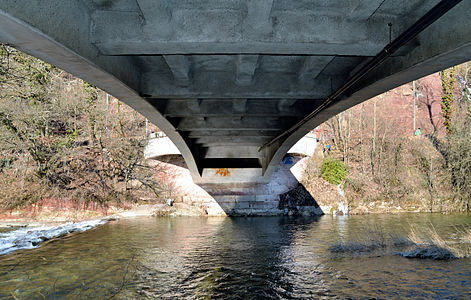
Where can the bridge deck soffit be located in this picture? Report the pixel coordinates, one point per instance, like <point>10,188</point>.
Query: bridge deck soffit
<point>221,75</point>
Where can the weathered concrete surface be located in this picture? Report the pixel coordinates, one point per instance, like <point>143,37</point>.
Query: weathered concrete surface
<point>222,78</point>
<point>160,146</point>
<point>305,146</point>
<point>233,196</point>
<point>163,146</point>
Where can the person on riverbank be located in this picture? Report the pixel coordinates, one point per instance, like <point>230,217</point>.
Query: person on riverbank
<point>418,132</point>
<point>318,134</point>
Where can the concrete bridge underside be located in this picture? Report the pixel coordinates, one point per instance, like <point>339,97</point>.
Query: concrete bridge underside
<point>232,82</point>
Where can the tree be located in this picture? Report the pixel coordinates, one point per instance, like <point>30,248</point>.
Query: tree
<point>448,88</point>
<point>51,126</point>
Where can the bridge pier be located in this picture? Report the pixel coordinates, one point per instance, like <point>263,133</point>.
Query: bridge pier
<point>239,192</point>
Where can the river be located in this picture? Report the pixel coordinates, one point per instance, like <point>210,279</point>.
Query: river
<point>237,258</point>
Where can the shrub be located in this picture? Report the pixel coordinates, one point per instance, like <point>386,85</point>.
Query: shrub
<point>333,170</point>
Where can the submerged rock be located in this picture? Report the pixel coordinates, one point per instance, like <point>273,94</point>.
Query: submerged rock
<point>430,252</point>
<point>352,247</point>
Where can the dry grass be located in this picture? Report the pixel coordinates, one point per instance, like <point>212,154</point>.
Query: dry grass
<point>430,244</point>
<point>464,233</point>
<point>427,244</point>
<point>371,239</point>
<point>430,236</point>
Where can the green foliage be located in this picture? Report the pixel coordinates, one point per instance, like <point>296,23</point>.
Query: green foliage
<point>5,163</point>
<point>92,93</point>
<point>333,170</point>
<point>448,87</point>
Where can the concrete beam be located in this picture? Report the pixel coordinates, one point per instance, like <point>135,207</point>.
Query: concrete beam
<point>193,106</point>
<point>294,113</point>
<point>180,67</point>
<point>157,17</point>
<point>229,32</point>
<point>245,69</point>
<point>194,134</point>
<point>239,106</point>
<point>258,17</point>
<point>237,175</point>
<point>285,104</point>
<point>312,66</point>
<point>247,124</point>
<point>209,84</point>
<point>225,140</point>
<point>232,151</point>
<point>132,47</point>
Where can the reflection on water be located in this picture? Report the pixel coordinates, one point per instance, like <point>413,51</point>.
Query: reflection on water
<point>272,257</point>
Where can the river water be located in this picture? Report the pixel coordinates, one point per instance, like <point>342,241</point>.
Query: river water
<point>237,258</point>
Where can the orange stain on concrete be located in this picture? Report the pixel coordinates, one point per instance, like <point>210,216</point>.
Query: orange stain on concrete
<point>223,172</point>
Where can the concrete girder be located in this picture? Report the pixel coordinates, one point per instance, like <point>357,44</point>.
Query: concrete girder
<point>239,106</point>
<point>234,133</point>
<point>180,67</point>
<point>259,111</point>
<point>209,84</point>
<point>258,17</point>
<point>312,67</point>
<point>245,69</point>
<point>230,123</point>
<point>208,141</point>
<point>123,5</point>
<point>193,106</point>
<point>354,8</point>
<point>285,104</point>
<point>206,31</point>
<point>172,108</point>
<point>157,14</point>
<point>233,151</point>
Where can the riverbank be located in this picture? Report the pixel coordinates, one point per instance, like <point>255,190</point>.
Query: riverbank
<point>49,216</point>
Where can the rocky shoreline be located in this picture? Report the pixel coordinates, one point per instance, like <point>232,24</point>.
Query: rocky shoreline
<point>20,219</point>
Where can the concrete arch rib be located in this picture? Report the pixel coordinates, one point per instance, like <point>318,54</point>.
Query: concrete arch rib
<point>28,39</point>
<point>446,43</point>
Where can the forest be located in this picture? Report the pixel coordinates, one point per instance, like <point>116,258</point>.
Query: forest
<point>389,163</point>
<point>62,138</point>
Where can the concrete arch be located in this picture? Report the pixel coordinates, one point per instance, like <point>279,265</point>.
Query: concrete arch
<point>444,44</point>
